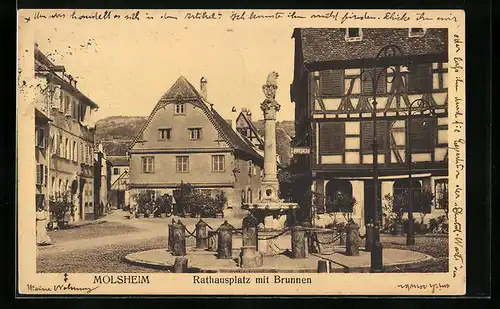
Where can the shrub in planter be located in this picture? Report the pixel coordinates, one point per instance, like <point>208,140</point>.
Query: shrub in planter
<point>144,200</point>
<point>59,206</point>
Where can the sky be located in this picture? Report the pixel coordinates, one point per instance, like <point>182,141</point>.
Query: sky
<point>126,69</point>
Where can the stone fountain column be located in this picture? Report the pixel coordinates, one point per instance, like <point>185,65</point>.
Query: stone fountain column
<point>270,108</point>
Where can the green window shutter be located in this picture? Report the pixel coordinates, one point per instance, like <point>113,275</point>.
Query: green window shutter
<point>332,138</point>
<point>331,83</point>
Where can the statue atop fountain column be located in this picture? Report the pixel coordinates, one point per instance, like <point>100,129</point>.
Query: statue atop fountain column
<point>270,108</point>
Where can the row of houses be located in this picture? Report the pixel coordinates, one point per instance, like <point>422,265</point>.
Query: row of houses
<point>186,140</point>
<point>69,162</point>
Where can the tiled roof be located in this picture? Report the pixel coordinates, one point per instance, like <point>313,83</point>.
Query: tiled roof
<point>115,147</point>
<point>252,126</point>
<point>329,44</point>
<point>118,160</point>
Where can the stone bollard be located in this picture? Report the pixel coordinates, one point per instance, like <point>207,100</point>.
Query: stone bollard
<point>178,239</point>
<point>250,232</point>
<point>298,242</point>
<point>352,239</point>
<point>369,237</point>
<point>225,241</point>
<point>170,241</point>
<point>201,235</point>
<point>324,266</point>
<point>180,264</point>
<point>250,257</point>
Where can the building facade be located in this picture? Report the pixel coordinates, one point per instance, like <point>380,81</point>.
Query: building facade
<point>119,194</point>
<point>333,114</point>
<point>186,140</point>
<point>67,149</point>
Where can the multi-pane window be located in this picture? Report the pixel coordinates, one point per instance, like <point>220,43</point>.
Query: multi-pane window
<point>67,106</point>
<point>39,174</point>
<point>180,109</point>
<point>331,82</point>
<point>420,77</point>
<point>61,146</point>
<point>195,133</point>
<point>164,133</point>
<point>74,152</point>
<point>441,191</point>
<point>182,164</point>
<point>53,141</point>
<point>148,164</point>
<point>416,32</point>
<point>116,171</point>
<point>353,34</point>
<point>218,163</point>
<point>332,138</point>
<point>66,148</point>
<point>39,137</point>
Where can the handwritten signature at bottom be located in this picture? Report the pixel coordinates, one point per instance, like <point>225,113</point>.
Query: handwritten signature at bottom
<point>60,288</point>
<point>422,287</point>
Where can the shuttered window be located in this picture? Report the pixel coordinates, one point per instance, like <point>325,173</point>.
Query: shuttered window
<point>332,138</point>
<point>367,82</point>
<point>39,174</point>
<point>422,134</point>
<point>331,83</point>
<point>367,136</point>
<point>420,77</point>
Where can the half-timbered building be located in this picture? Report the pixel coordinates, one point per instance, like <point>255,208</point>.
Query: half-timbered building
<point>333,113</point>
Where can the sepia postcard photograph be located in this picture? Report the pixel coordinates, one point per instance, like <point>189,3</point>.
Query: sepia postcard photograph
<point>241,152</point>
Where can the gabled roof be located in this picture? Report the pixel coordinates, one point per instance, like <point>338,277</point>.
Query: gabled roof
<point>183,91</point>
<point>122,175</point>
<point>251,126</point>
<point>329,44</point>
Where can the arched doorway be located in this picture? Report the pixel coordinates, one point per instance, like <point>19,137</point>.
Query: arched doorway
<point>338,195</point>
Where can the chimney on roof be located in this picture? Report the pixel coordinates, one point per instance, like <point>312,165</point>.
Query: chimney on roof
<point>203,88</point>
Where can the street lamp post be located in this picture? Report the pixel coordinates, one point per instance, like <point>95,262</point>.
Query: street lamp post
<point>423,104</point>
<point>376,258</point>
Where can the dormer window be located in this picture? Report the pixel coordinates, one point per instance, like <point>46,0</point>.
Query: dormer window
<point>416,32</point>
<point>165,133</point>
<point>353,34</point>
<point>180,109</point>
